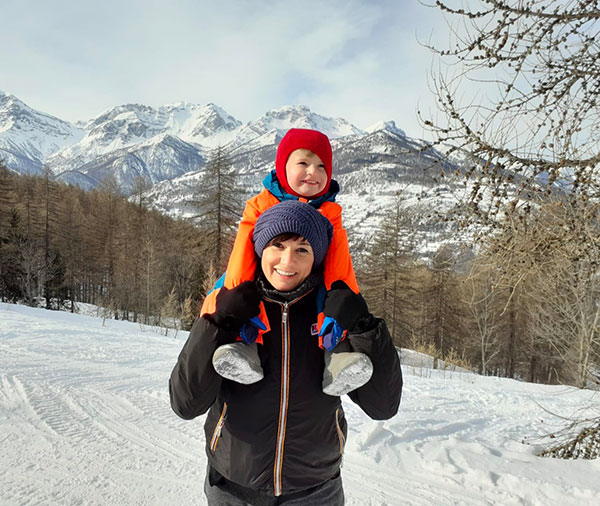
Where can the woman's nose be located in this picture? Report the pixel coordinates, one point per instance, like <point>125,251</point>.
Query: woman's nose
<point>286,257</point>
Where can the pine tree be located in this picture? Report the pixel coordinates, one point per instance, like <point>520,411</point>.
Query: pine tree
<point>170,313</point>
<point>6,214</point>
<point>218,201</point>
<point>53,265</point>
<point>7,198</point>
<point>138,228</point>
<point>443,318</point>
<point>71,244</point>
<point>386,279</point>
<point>107,234</point>
<point>11,272</point>
<point>188,314</point>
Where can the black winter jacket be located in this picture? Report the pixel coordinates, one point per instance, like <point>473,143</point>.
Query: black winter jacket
<point>283,433</point>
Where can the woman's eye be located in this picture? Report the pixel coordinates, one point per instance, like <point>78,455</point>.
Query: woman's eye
<point>302,250</point>
<point>277,245</point>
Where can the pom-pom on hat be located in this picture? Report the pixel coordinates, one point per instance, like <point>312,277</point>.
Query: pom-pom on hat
<point>292,216</point>
<point>303,138</point>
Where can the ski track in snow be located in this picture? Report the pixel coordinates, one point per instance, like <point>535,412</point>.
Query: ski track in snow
<point>85,420</point>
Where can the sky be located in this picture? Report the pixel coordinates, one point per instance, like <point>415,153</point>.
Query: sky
<point>356,59</point>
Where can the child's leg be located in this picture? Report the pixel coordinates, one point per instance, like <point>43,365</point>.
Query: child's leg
<point>345,370</point>
<point>238,362</point>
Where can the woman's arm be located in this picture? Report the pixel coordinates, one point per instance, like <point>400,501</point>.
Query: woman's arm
<point>194,384</point>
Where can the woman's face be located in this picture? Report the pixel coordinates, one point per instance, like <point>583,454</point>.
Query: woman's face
<point>287,263</point>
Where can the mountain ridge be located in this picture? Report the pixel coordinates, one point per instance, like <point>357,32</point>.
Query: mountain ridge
<point>169,145</point>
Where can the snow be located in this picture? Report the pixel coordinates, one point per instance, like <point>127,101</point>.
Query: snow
<point>390,126</point>
<point>85,420</point>
<point>299,116</point>
<point>135,126</point>
<point>30,133</point>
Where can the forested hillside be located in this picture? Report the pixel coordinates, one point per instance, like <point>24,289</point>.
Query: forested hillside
<point>522,308</point>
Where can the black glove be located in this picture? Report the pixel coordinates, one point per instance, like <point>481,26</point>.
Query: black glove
<point>236,306</point>
<point>348,308</point>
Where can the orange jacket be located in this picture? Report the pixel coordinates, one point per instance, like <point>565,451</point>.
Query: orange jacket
<point>242,261</point>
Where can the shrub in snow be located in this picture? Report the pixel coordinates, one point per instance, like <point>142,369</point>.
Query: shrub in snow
<point>585,445</point>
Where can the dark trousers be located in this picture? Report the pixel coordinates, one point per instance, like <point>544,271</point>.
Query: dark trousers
<point>222,492</point>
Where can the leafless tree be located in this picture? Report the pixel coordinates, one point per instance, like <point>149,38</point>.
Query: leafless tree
<point>484,307</point>
<point>518,87</point>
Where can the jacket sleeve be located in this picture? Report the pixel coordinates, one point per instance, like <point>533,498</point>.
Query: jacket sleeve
<point>338,263</point>
<point>194,384</point>
<point>380,396</point>
<point>242,261</point>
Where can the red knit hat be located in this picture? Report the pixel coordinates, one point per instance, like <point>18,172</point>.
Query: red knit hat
<point>303,138</point>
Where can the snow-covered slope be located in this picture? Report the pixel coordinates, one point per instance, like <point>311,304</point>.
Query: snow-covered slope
<point>28,137</point>
<point>132,140</point>
<point>168,147</point>
<point>136,140</point>
<point>85,419</point>
<point>374,169</point>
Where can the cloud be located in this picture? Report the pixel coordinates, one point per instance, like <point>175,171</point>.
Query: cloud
<point>354,59</point>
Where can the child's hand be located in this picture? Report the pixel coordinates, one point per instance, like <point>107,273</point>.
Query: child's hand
<point>345,306</point>
<point>236,306</point>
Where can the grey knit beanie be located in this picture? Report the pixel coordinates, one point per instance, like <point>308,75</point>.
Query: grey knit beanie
<point>293,216</point>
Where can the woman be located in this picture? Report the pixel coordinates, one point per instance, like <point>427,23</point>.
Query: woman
<point>280,440</point>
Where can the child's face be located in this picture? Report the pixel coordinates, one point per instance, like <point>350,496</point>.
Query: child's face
<point>305,173</point>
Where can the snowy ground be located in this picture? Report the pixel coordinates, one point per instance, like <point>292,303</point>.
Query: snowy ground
<point>85,420</point>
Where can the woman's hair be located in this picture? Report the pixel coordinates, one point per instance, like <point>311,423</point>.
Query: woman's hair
<point>286,236</point>
<point>293,217</point>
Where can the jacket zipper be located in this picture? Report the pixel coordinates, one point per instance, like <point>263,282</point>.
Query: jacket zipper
<point>285,364</point>
<point>218,428</point>
<point>283,405</point>
<point>340,432</point>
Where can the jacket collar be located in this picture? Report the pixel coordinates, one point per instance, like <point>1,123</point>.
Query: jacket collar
<point>314,279</point>
<point>271,183</point>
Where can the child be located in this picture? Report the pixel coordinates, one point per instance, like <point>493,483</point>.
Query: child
<point>302,172</point>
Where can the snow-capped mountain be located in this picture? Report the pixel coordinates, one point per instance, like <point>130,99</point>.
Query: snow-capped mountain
<point>135,140</point>
<point>374,170</point>
<point>272,126</point>
<point>28,137</point>
<point>168,146</point>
